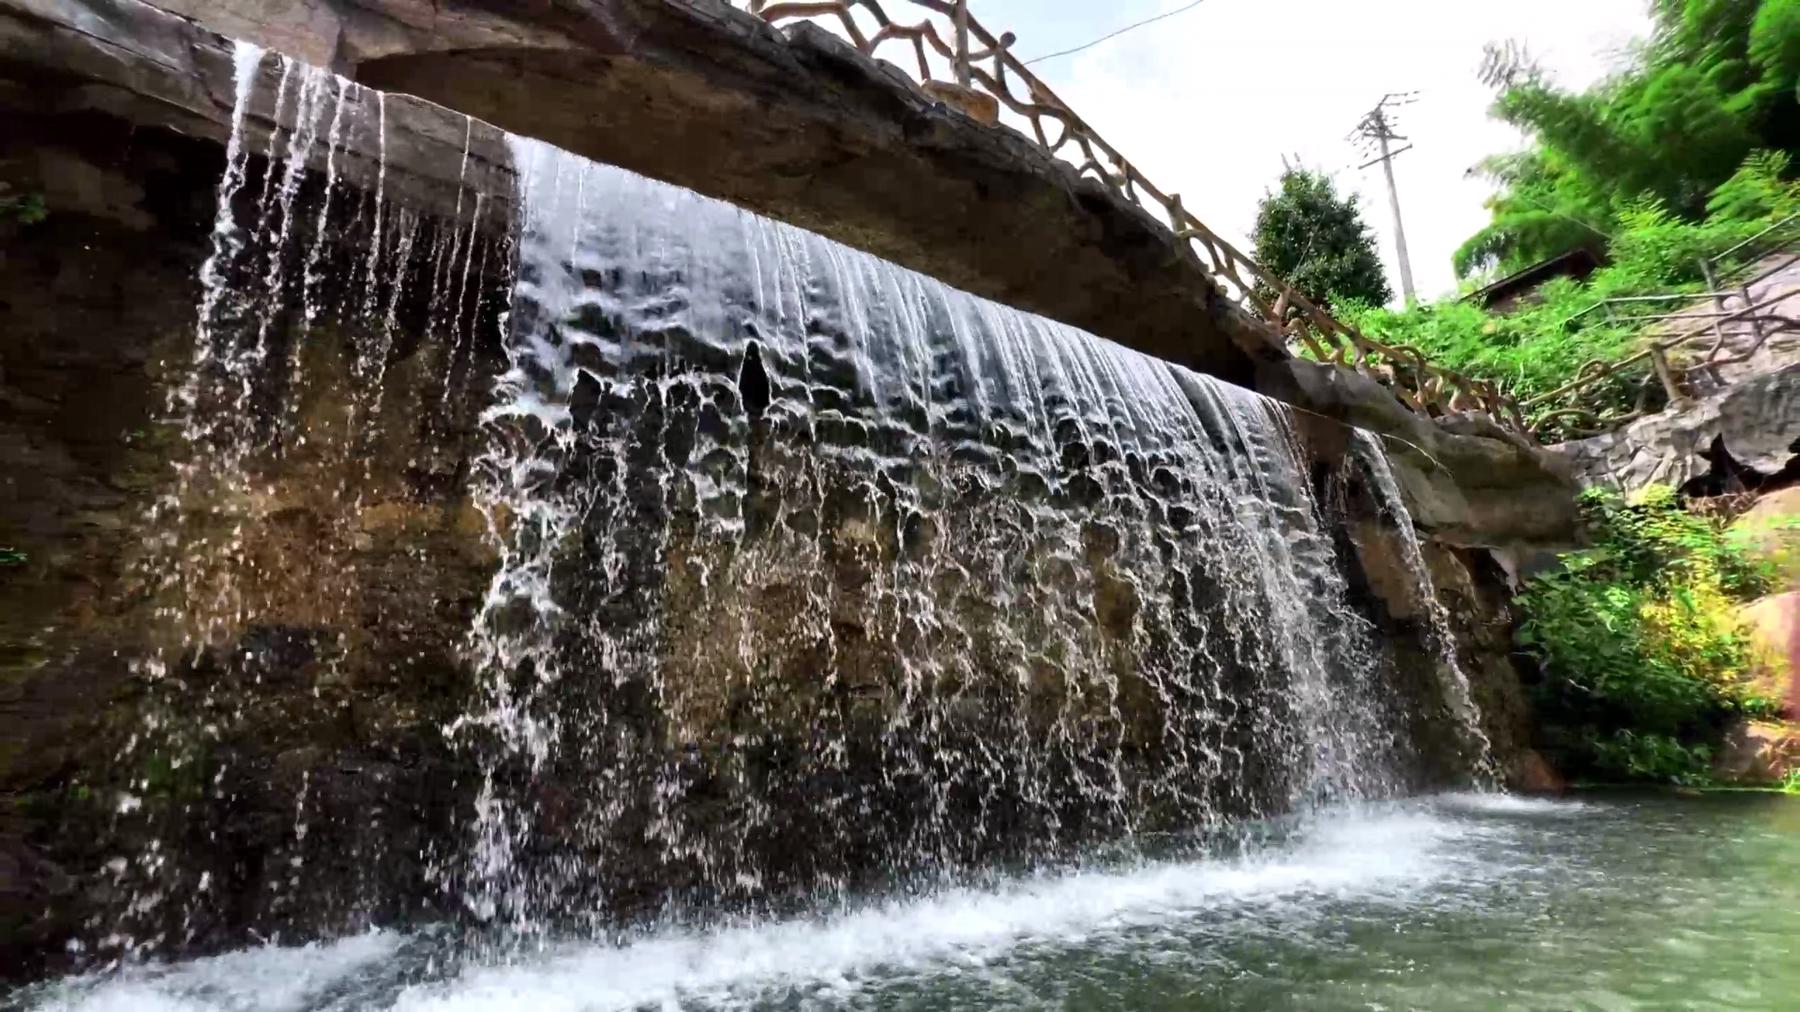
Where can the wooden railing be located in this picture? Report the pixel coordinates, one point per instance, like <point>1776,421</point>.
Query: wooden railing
<point>1691,360</point>
<point>979,66</point>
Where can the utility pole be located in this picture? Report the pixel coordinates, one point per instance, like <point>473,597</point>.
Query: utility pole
<point>1376,131</point>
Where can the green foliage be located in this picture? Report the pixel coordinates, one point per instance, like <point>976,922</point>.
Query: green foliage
<point>1719,80</point>
<point>1790,782</point>
<point>1653,757</point>
<point>12,557</point>
<point>1758,191</point>
<point>1643,662</point>
<point>1318,242</point>
<point>1539,346</point>
<point>26,210</point>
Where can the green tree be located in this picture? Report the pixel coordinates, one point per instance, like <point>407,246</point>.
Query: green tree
<point>1317,241</point>
<point>1716,82</point>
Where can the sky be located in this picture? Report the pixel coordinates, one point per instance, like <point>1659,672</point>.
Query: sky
<point>1206,103</point>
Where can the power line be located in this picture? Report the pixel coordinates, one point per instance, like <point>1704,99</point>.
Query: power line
<point>1114,35</point>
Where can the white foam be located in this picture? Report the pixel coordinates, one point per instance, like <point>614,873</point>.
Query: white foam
<point>1511,804</point>
<point>1355,855</point>
<point>1366,855</point>
<point>265,979</point>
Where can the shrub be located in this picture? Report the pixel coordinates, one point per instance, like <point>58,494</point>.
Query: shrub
<point>1642,660</point>
<point>28,209</point>
<point>1540,346</point>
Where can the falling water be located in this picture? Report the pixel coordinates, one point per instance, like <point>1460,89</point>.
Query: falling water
<point>785,528</point>
<point>1457,692</point>
<point>814,576</point>
<point>297,275</point>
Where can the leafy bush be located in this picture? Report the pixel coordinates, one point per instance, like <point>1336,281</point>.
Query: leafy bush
<point>1542,345</point>
<point>1677,157</point>
<point>26,210</point>
<point>1643,662</point>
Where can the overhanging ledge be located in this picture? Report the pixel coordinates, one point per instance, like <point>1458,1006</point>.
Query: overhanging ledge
<point>794,124</point>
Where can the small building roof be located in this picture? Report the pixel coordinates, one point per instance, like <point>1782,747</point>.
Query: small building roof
<point>1576,263</point>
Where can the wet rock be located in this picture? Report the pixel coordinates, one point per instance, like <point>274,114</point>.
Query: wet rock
<point>1531,773</point>
<point>1736,439</point>
<point>1758,753</point>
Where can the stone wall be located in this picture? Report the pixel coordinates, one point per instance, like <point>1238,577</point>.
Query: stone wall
<point>1743,437</point>
<point>100,304</point>
<point>350,569</point>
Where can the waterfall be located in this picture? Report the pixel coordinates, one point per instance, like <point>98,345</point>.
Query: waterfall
<point>1458,695</point>
<point>300,276</point>
<point>810,574</point>
<point>785,528</point>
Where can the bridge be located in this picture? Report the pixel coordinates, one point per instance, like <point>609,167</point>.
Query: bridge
<point>965,166</point>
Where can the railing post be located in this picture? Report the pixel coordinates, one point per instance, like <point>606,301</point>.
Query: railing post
<point>963,76</point>
<point>1659,358</point>
<point>1757,336</point>
<point>1718,324</point>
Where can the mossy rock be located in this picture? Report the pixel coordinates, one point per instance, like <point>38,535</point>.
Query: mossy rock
<point>1770,625</point>
<point>1770,531</point>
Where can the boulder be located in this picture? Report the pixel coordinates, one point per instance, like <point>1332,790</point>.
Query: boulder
<point>1741,436</point>
<point>1770,624</point>
<point>1758,752</point>
<point>1467,481</point>
<point>1771,532</point>
<point>1531,773</point>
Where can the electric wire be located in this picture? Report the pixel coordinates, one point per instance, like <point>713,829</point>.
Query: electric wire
<point>1115,34</point>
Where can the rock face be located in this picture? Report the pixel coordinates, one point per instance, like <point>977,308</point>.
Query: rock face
<point>1772,624</point>
<point>116,118</point>
<point>313,678</point>
<point>1758,753</point>
<point>1771,531</point>
<point>1473,597</point>
<point>1467,482</point>
<point>1744,437</point>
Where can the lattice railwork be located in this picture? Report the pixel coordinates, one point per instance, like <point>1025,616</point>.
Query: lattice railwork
<point>978,61</point>
<point>1676,363</point>
<point>1681,364</point>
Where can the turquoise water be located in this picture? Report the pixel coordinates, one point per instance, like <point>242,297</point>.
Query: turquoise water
<point>1460,902</point>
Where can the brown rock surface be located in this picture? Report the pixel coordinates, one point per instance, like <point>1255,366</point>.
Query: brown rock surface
<point>1757,752</point>
<point>1466,482</point>
<point>1770,530</point>
<point>1531,773</point>
<point>1772,624</point>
